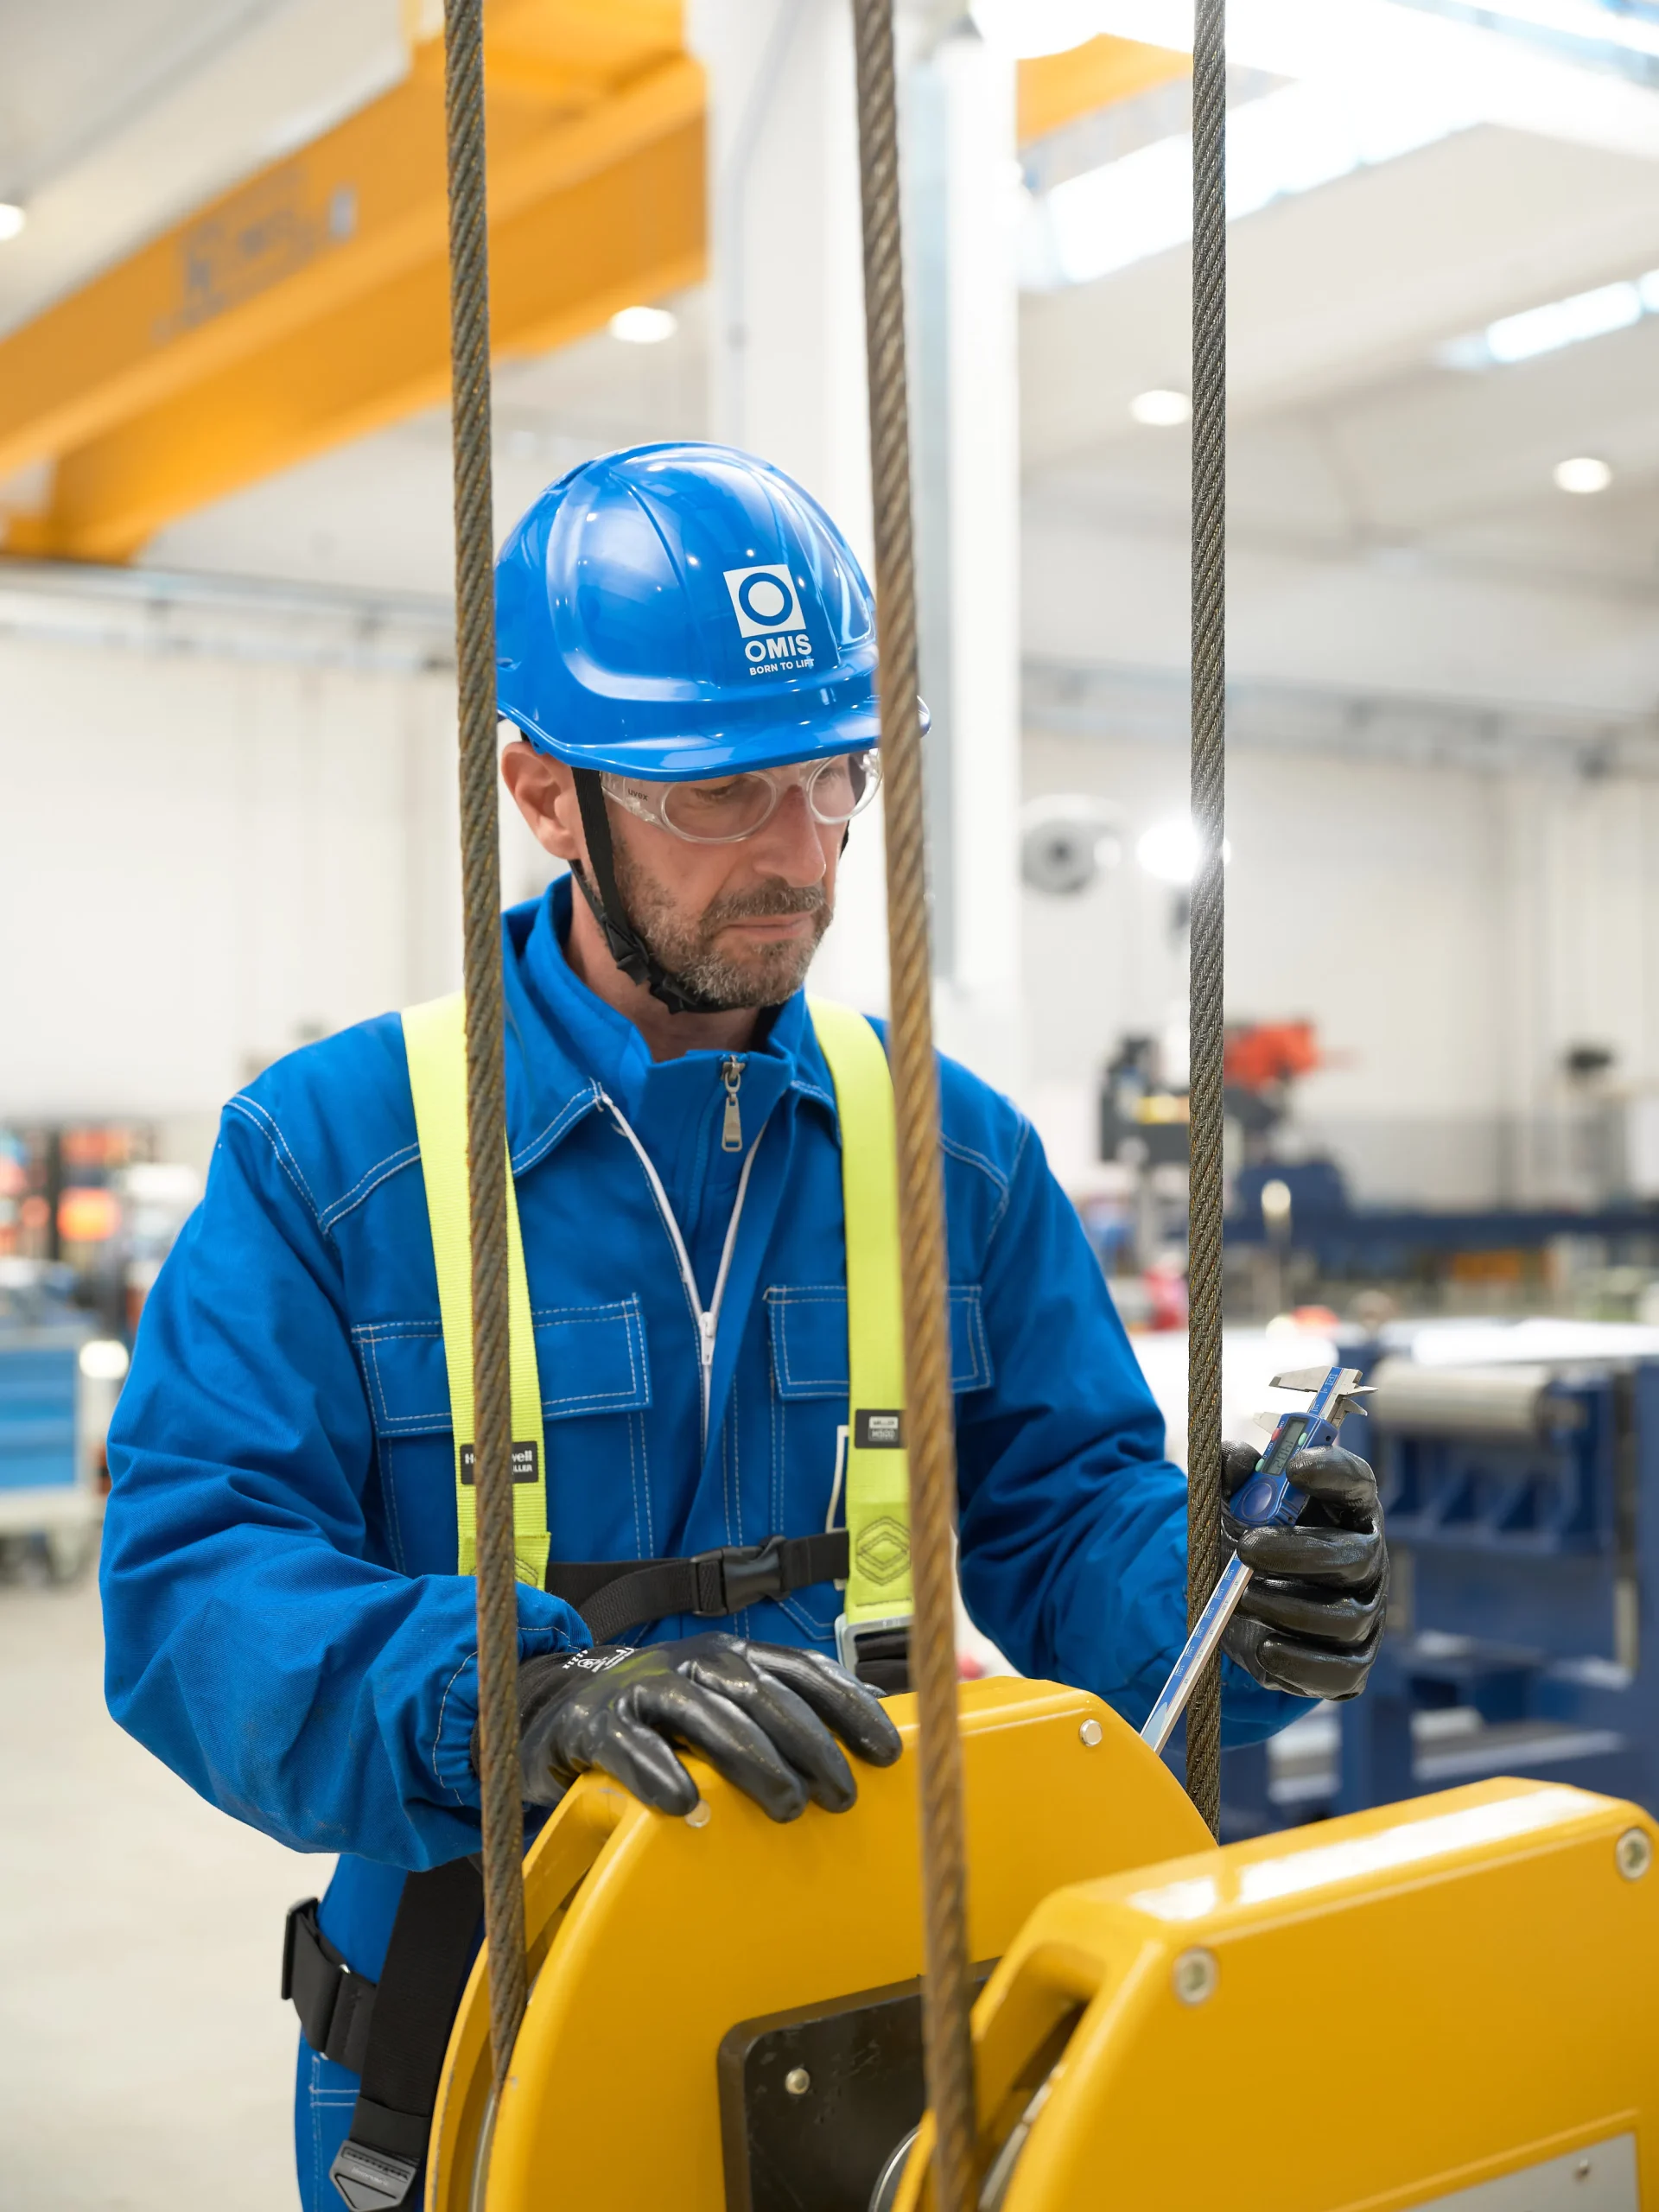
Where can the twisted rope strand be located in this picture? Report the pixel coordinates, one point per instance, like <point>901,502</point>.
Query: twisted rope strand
<point>930,1419</point>
<point>1205,943</point>
<point>497,1602</point>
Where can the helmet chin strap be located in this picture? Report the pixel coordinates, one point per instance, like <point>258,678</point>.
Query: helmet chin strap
<point>627,948</point>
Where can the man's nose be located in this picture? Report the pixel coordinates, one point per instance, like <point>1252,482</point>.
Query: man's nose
<point>790,844</point>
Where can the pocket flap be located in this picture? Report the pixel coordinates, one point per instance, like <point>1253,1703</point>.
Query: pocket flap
<point>590,1359</point>
<point>809,1340</point>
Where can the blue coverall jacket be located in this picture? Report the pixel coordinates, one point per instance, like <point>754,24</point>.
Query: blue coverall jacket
<point>285,1625</point>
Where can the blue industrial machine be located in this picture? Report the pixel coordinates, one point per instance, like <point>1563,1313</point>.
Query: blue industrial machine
<point>1318,1217</point>
<point>1520,1475</point>
<point>53,1411</point>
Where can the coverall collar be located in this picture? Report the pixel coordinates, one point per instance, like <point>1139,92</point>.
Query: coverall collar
<point>565,1045</point>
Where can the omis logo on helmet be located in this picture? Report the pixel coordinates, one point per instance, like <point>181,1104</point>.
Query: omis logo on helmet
<point>769,620</point>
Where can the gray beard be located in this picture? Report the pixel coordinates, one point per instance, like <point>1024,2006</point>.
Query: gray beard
<point>687,952</point>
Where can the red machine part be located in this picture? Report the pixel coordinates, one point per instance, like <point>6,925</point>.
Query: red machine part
<point>1260,1055</point>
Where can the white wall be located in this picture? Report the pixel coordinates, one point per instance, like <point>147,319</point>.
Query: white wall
<point>205,860</point>
<point>1450,931</point>
<point>1113,589</point>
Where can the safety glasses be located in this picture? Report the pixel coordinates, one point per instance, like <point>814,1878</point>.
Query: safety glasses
<point>725,809</point>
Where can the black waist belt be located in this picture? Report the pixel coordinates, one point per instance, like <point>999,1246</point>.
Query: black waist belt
<point>613,1595</point>
<point>392,2033</point>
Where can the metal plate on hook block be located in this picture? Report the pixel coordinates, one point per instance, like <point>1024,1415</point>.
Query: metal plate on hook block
<point>1601,2177</point>
<point>813,2102</point>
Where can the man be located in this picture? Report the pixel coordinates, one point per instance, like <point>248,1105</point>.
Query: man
<point>687,647</point>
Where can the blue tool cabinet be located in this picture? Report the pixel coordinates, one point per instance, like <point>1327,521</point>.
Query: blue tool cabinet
<point>47,1486</point>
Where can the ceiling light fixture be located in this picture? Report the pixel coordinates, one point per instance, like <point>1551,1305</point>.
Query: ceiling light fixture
<point>12,218</point>
<point>1589,20</point>
<point>1371,81</point>
<point>1291,141</point>
<point>1582,474</point>
<point>1564,322</point>
<point>1169,850</point>
<point>644,326</point>
<point>1559,322</point>
<point>1306,38</point>
<point>1162,409</point>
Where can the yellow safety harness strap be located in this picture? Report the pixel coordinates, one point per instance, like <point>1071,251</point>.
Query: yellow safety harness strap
<point>435,1040</point>
<point>877,1484</point>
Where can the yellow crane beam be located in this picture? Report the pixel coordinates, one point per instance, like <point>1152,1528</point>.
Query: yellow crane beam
<point>308,306</point>
<point>1058,88</point>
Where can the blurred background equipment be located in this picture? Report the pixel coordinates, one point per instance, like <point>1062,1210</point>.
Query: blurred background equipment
<point>59,1379</point>
<point>91,1201</point>
<point>1064,842</point>
<point>1263,1060</point>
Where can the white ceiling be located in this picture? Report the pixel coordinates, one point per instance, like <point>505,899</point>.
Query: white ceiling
<point>1392,524</point>
<point>377,513</point>
<point>1386,513</point>
<point>118,116</point>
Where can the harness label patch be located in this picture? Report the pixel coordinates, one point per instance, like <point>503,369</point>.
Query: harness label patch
<point>883,1552</point>
<point>526,1463</point>
<point>878,1431</point>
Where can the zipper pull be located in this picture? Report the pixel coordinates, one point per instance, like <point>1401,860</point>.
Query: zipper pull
<point>707,1325</point>
<point>731,1133</point>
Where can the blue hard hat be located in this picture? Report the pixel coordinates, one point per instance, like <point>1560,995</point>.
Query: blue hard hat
<point>683,610</point>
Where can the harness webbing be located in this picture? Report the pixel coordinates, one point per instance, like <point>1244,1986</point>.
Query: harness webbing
<point>435,1041</point>
<point>878,1511</point>
<point>878,1476</point>
<point>397,2029</point>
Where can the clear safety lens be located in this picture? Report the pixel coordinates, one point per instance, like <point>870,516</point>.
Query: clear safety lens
<point>719,811</point>
<point>845,787</point>
<point>713,813</point>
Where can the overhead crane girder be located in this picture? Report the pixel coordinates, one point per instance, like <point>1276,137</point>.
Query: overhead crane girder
<point>308,305</point>
<point>560,264</point>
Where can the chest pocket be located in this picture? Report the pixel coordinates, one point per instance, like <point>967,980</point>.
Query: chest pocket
<point>809,1341</point>
<point>590,1359</point>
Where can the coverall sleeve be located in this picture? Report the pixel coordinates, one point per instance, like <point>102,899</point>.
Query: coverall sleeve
<point>250,1644</point>
<point>1073,1521</point>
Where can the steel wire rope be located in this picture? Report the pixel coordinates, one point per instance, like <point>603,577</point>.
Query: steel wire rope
<point>1207,917</point>
<point>501,1793</point>
<point>929,1415</point>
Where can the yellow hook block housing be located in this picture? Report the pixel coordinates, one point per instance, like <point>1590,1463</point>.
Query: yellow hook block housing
<point>1452,2002</point>
<point>650,1938</point>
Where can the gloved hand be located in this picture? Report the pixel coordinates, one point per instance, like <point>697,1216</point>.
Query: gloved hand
<point>1311,1619</point>
<point>756,1712</point>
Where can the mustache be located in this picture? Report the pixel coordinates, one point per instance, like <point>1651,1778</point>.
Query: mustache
<point>766,901</point>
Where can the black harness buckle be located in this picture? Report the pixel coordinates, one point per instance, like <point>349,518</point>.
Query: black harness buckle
<point>738,1575</point>
<point>372,2181</point>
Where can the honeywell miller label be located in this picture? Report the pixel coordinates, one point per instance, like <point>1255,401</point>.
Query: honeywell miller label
<point>525,1462</point>
<point>876,1432</point>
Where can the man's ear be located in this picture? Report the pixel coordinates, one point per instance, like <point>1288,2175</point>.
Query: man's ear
<point>544,791</point>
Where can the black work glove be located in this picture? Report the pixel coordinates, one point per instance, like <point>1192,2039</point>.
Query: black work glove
<point>1311,1618</point>
<point>756,1712</point>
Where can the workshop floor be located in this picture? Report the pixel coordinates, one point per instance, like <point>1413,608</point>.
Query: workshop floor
<point>146,2064</point>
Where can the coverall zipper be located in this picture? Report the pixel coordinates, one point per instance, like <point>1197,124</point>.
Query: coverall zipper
<point>707,1319</point>
<point>731,1132</point>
